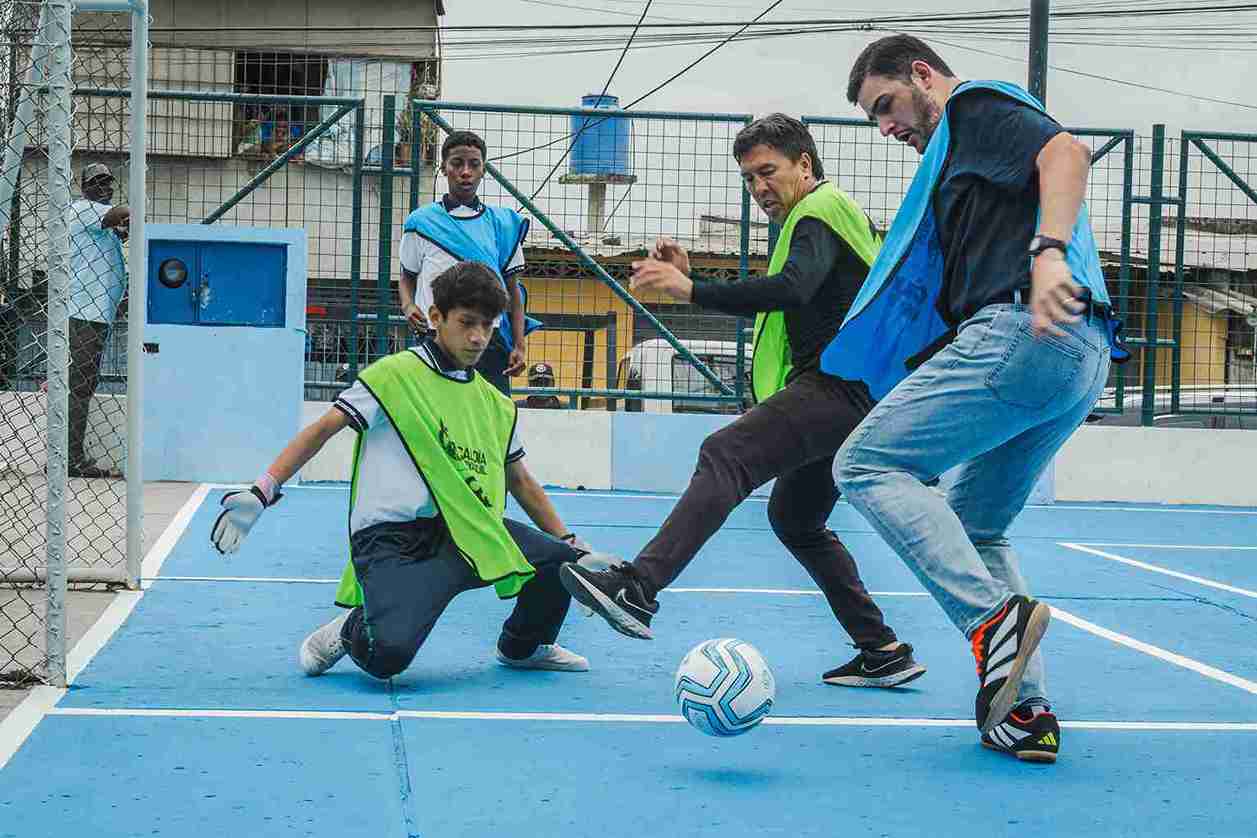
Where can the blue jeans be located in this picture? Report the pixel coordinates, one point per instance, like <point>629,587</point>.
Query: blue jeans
<point>999,401</point>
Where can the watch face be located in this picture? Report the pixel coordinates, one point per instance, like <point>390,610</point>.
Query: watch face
<point>1038,244</point>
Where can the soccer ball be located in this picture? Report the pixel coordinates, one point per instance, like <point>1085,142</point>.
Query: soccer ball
<point>724,687</point>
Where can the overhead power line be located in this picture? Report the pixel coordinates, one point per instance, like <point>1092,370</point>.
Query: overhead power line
<point>1099,77</point>
<point>662,84</point>
<point>1126,13</point>
<point>585,124</point>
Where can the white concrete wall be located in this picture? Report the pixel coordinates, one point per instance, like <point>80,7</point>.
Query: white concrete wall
<point>1159,465</point>
<point>565,448</point>
<point>1144,465</point>
<point>574,449</point>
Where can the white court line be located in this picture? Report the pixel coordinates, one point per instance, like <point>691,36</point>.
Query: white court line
<point>18,725</point>
<point>567,493</point>
<point>289,580</point>
<point>22,720</point>
<point>317,581</point>
<point>784,591</point>
<point>1199,580</point>
<point>124,602</point>
<point>1058,507</point>
<point>98,635</point>
<point>1156,651</point>
<point>1165,546</point>
<point>173,713</point>
<point>632,718</point>
<point>161,549</point>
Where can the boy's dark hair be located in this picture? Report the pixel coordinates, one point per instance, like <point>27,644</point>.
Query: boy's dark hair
<point>465,138</point>
<point>892,57</point>
<point>783,133</point>
<point>469,285</point>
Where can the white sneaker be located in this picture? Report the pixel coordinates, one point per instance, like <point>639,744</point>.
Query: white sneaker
<point>548,656</point>
<point>323,647</point>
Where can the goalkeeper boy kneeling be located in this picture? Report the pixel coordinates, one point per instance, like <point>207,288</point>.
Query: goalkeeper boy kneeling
<point>436,454</point>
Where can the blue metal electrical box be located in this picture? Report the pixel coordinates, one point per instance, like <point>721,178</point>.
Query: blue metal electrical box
<point>224,283</point>
<point>224,350</point>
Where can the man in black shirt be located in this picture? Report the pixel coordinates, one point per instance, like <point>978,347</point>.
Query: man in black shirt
<point>994,240</point>
<point>800,420</point>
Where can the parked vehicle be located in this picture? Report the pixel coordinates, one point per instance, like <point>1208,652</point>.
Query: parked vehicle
<point>654,366</point>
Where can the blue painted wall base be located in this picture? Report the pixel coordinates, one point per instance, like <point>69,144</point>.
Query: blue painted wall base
<point>656,452</point>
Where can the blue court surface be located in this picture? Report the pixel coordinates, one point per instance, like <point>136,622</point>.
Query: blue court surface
<point>194,719</point>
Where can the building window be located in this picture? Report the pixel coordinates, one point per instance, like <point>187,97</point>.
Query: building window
<point>269,129</point>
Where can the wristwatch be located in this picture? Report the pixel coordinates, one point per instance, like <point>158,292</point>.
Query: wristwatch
<point>1038,244</point>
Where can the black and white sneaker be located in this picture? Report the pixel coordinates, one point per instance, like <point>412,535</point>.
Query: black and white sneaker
<point>615,593</point>
<point>877,669</point>
<point>1029,732</point>
<point>1002,647</point>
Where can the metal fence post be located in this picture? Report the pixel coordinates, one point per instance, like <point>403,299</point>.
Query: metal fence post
<point>59,85</point>
<point>1039,22</point>
<point>1123,271</point>
<point>385,233</point>
<point>613,344</point>
<point>355,243</point>
<point>1180,231</point>
<point>15,208</point>
<point>416,141</point>
<point>744,270</point>
<point>1152,341</point>
<point>138,298</point>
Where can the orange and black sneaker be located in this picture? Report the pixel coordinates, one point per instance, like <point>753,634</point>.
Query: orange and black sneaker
<point>1002,647</point>
<point>1030,732</point>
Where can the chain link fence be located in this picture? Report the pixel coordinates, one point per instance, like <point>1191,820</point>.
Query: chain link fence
<point>1211,307</point>
<point>600,189</point>
<point>1187,282</point>
<point>80,354</point>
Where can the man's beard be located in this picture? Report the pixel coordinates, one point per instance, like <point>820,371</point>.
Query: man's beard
<point>926,115</point>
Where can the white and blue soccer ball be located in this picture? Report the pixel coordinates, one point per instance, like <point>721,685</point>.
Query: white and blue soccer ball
<point>724,687</point>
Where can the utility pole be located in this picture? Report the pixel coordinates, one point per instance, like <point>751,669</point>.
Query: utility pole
<point>1038,49</point>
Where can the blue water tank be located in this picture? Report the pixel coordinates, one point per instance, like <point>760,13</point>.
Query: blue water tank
<point>602,148</point>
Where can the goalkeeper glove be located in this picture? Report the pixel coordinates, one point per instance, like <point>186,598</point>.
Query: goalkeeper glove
<point>241,511</point>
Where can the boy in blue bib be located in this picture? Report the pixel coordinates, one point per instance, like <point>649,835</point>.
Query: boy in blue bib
<point>984,331</point>
<point>462,228</point>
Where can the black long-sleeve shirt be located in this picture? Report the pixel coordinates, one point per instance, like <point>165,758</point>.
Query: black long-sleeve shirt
<point>814,289</point>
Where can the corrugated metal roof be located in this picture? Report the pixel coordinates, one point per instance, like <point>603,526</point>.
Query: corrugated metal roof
<point>1216,300</point>
<point>1208,250</point>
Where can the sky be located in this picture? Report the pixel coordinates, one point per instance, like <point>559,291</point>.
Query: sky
<point>807,74</point>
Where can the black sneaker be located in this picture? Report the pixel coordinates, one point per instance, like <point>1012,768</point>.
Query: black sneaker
<point>91,471</point>
<point>615,592</point>
<point>877,669</point>
<point>1030,732</point>
<point>1002,647</point>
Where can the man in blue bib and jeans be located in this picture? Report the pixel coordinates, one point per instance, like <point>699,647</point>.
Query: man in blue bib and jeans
<point>985,333</point>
